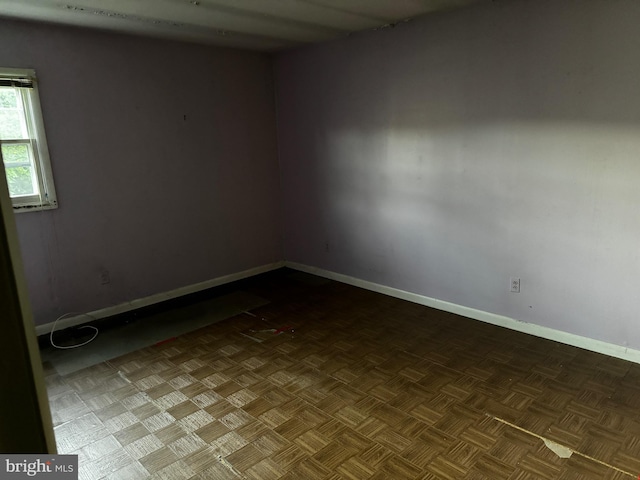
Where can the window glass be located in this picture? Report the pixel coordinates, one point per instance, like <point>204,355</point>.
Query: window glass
<point>22,142</point>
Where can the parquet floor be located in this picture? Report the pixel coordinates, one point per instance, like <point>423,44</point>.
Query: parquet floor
<point>365,387</point>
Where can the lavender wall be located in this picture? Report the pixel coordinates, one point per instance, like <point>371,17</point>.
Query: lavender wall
<point>448,154</point>
<point>164,158</point>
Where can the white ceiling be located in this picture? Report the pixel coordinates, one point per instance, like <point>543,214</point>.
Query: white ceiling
<point>267,25</point>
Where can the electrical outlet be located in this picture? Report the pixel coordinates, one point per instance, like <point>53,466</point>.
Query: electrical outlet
<point>515,285</point>
<point>104,277</point>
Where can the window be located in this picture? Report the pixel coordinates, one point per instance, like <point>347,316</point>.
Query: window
<point>22,142</point>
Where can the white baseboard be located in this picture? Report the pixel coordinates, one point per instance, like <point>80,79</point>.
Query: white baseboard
<point>156,298</point>
<point>598,346</point>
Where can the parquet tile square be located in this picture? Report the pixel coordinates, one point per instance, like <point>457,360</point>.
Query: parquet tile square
<point>270,442</point>
<point>170,433</point>
<point>365,387</point>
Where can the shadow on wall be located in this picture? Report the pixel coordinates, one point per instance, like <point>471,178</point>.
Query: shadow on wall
<point>454,152</point>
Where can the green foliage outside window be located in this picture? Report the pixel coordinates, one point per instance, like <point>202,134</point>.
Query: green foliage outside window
<point>19,180</point>
<point>19,175</point>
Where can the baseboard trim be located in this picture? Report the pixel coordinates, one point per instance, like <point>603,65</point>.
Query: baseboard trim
<point>156,298</point>
<point>598,346</point>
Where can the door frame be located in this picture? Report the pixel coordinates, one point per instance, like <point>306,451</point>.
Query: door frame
<point>26,425</point>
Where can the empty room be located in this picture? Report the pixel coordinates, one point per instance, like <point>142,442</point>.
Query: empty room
<point>321,239</point>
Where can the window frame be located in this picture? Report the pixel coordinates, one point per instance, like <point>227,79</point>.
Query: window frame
<point>46,198</point>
